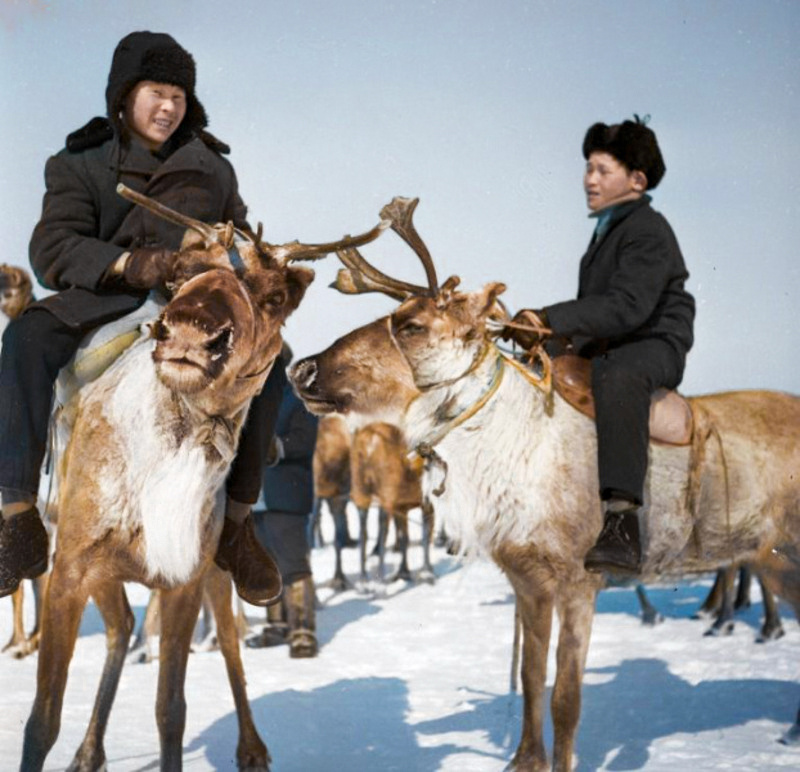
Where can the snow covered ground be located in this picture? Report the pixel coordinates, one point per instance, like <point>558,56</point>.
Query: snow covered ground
<point>416,678</point>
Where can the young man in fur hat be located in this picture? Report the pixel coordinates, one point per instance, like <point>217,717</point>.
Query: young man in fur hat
<point>633,318</point>
<point>102,255</point>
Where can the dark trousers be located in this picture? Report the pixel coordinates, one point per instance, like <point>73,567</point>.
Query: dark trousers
<point>623,381</point>
<point>285,536</point>
<point>35,347</point>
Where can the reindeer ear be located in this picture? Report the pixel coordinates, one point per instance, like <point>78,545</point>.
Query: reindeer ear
<point>192,240</point>
<point>487,297</point>
<point>298,279</point>
<point>446,291</point>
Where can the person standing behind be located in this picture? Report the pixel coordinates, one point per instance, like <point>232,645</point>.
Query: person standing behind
<point>633,318</point>
<point>102,255</point>
<point>282,526</point>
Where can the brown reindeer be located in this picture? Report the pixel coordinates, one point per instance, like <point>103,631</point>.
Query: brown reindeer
<point>150,445</point>
<point>383,473</point>
<point>331,469</point>
<point>522,479</point>
<point>16,294</point>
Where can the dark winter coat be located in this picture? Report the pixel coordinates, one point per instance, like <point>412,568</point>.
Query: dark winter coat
<point>631,286</point>
<point>85,225</point>
<point>289,485</point>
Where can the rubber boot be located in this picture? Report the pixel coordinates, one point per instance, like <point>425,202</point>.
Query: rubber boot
<point>302,619</point>
<point>23,549</point>
<point>618,549</point>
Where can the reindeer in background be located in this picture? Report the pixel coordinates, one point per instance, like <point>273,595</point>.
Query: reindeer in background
<point>522,481</point>
<point>150,443</point>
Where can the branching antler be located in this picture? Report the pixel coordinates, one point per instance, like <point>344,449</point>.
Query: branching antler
<point>293,251</point>
<point>401,212</point>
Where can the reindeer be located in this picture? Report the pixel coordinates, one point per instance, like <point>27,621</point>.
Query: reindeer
<point>382,471</point>
<point>522,480</point>
<point>331,469</point>
<point>16,294</point>
<point>151,441</point>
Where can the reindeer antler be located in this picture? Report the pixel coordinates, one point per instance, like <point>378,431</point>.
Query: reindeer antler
<point>292,251</point>
<point>359,276</point>
<point>204,229</point>
<point>401,212</point>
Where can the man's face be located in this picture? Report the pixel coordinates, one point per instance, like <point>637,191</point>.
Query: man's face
<point>153,111</point>
<point>608,182</point>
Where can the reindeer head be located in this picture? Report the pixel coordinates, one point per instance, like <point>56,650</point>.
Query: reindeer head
<point>219,335</point>
<point>16,290</point>
<point>444,336</point>
<point>362,375</point>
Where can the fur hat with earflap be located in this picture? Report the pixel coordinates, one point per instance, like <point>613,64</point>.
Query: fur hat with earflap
<point>632,143</point>
<point>153,56</point>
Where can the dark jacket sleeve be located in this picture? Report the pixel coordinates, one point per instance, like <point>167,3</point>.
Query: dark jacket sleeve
<point>65,249</point>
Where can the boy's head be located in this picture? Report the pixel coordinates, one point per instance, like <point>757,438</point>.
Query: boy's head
<point>632,143</point>
<point>153,57</point>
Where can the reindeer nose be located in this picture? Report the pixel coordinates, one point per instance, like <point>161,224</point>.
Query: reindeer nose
<point>304,373</point>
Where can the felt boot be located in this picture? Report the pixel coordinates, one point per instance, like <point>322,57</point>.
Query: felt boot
<point>302,619</point>
<point>618,549</point>
<point>23,549</point>
<point>254,572</point>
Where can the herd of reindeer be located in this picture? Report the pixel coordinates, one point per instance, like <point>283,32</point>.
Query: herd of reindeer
<point>418,409</point>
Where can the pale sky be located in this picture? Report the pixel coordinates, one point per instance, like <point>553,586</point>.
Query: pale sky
<point>479,109</point>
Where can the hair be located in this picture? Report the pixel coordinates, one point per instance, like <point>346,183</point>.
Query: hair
<point>632,143</point>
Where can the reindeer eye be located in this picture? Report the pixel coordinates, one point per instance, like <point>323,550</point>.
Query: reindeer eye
<point>411,328</point>
<point>276,299</point>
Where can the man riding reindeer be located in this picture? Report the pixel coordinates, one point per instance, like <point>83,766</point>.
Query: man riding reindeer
<point>103,256</point>
<point>633,318</point>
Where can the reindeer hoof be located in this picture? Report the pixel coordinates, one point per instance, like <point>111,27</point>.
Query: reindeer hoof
<point>652,618</point>
<point>791,736</point>
<point>768,634</point>
<point>716,631</point>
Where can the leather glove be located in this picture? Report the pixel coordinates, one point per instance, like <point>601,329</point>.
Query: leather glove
<point>149,268</point>
<point>527,339</point>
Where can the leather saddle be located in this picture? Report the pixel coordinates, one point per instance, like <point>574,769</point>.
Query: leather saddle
<point>670,413</point>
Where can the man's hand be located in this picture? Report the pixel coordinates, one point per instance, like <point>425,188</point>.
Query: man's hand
<point>532,328</point>
<point>149,268</point>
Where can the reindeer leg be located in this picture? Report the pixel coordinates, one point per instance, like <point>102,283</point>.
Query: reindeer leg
<point>427,574</point>
<point>314,525</point>
<point>536,612</point>
<point>118,619</point>
<point>723,625</point>
<point>61,616</point>
<point>141,650</point>
<point>772,629</point>
<point>17,639</point>
<point>576,611</point>
<point>362,538</point>
<point>338,509</point>
<point>714,598</point>
<point>401,528</point>
<point>179,611</point>
<point>383,533</point>
<point>251,753</point>
<point>650,615</point>
<point>743,591</point>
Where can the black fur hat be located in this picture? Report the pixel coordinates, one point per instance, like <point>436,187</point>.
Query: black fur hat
<point>153,56</point>
<point>632,143</point>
